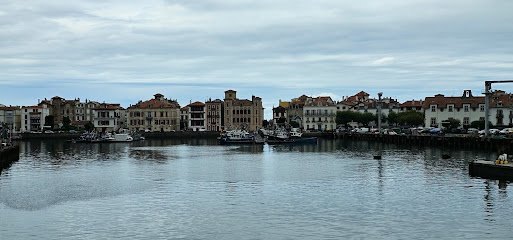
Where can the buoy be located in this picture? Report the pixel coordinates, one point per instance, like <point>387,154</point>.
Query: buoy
<point>377,157</point>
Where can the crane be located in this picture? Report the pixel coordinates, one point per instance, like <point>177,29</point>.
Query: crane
<point>487,93</point>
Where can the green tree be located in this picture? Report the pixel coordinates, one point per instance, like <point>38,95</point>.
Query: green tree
<point>89,126</point>
<point>410,118</point>
<point>479,124</point>
<point>66,123</point>
<point>392,118</point>
<point>451,123</point>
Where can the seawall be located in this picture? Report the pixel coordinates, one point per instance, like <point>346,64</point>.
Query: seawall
<point>8,155</point>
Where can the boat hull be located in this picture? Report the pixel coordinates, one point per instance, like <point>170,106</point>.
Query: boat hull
<point>310,140</point>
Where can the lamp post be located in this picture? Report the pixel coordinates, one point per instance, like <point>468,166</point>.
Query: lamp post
<point>379,111</point>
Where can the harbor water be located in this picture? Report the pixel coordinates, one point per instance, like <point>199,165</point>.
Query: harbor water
<point>196,189</point>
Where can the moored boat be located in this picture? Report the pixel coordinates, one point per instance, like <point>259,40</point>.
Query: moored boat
<point>240,137</point>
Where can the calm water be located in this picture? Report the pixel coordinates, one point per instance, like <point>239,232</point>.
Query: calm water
<point>198,190</point>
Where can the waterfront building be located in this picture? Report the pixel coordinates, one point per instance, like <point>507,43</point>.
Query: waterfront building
<point>280,115</point>
<point>157,115</point>
<point>33,118</point>
<point>84,112</point>
<point>319,114</point>
<point>412,105</point>
<point>242,113</point>
<point>294,110</point>
<point>108,117</point>
<point>215,112</point>
<point>501,109</point>
<point>184,118</point>
<point>11,117</point>
<point>466,108</point>
<point>60,109</point>
<point>197,121</point>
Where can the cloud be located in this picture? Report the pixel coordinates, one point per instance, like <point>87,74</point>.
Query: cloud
<point>272,49</point>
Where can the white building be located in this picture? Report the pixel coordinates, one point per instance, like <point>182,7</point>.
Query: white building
<point>108,117</point>
<point>197,117</point>
<point>33,118</point>
<point>319,114</point>
<point>466,109</point>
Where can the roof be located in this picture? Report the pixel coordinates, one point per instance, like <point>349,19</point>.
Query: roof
<point>320,101</point>
<point>5,108</point>
<point>108,106</point>
<point>155,104</point>
<point>412,103</point>
<point>441,100</point>
<point>196,104</point>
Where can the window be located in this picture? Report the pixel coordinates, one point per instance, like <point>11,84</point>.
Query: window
<point>466,121</point>
<point>433,108</point>
<point>466,108</point>
<point>450,108</point>
<point>481,108</point>
<point>433,121</point>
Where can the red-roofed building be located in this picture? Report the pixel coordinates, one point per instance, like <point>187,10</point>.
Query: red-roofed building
<point>157,115</point>
<point>466,108</point>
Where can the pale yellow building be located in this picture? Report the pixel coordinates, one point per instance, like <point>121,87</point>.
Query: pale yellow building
<point>242,113</point>
<point>154,115</point>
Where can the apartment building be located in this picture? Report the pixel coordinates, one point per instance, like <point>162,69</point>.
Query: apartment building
<point>156,115</point>
<point>242,113</point>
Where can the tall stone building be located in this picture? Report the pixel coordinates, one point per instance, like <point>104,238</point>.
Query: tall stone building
<point>242,113</point>
<point>60,109</point>
<point>215,112</point>
<point>155,115</point>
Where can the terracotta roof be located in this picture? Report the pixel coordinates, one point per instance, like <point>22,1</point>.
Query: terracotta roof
<point>197,104</point>
<point>186,108</point>
<point>442,101</point>
<point>108,106</point>
<point>155,104</point>
<point>412,103</point>
<point>320,101</point>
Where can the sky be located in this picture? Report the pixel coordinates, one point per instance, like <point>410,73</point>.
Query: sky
<point>123,51</point>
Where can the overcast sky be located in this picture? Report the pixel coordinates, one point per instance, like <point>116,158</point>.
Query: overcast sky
<point>123,51</point>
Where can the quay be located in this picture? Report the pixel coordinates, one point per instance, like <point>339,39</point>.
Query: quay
<point>8,155</point>
<point>491,170</point>
<point>499,145</point>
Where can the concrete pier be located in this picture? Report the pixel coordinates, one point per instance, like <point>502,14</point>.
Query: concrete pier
<point>8,155</point>
<point>491,170</point>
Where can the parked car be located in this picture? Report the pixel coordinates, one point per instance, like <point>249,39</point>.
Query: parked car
<point>472,130</point>
<point>506,131</point>
<point>436,131</point>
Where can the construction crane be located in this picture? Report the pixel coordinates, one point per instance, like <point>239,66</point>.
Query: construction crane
<point>487,93</point>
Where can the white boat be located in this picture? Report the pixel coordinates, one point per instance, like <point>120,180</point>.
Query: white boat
<point>295,133</point>
<point>121,137</point>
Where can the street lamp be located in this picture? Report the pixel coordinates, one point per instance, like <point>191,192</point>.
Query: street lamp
<point>379,111</point>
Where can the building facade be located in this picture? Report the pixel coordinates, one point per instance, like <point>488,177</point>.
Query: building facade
<point>242,113</point>
<point>156,115</point>
<point>33,118</point>
<point>108,117</point>
<point>11,117</point>
<point>466,108</point>
<point>215,112</point>
<point>319,114</point>
<point>197,117</point>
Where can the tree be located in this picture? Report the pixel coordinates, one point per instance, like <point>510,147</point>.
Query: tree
<point>451,123</point>
<point>265,123</point>
<point>344,117</point>
<point>66,123</point>
<point>479,124</point>
<point>89,126</point>
<point>410,118</point>
<point>392,118</point>
<point>50,121</point>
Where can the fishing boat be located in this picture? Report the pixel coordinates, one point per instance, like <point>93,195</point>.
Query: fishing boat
<point>240,137</point>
